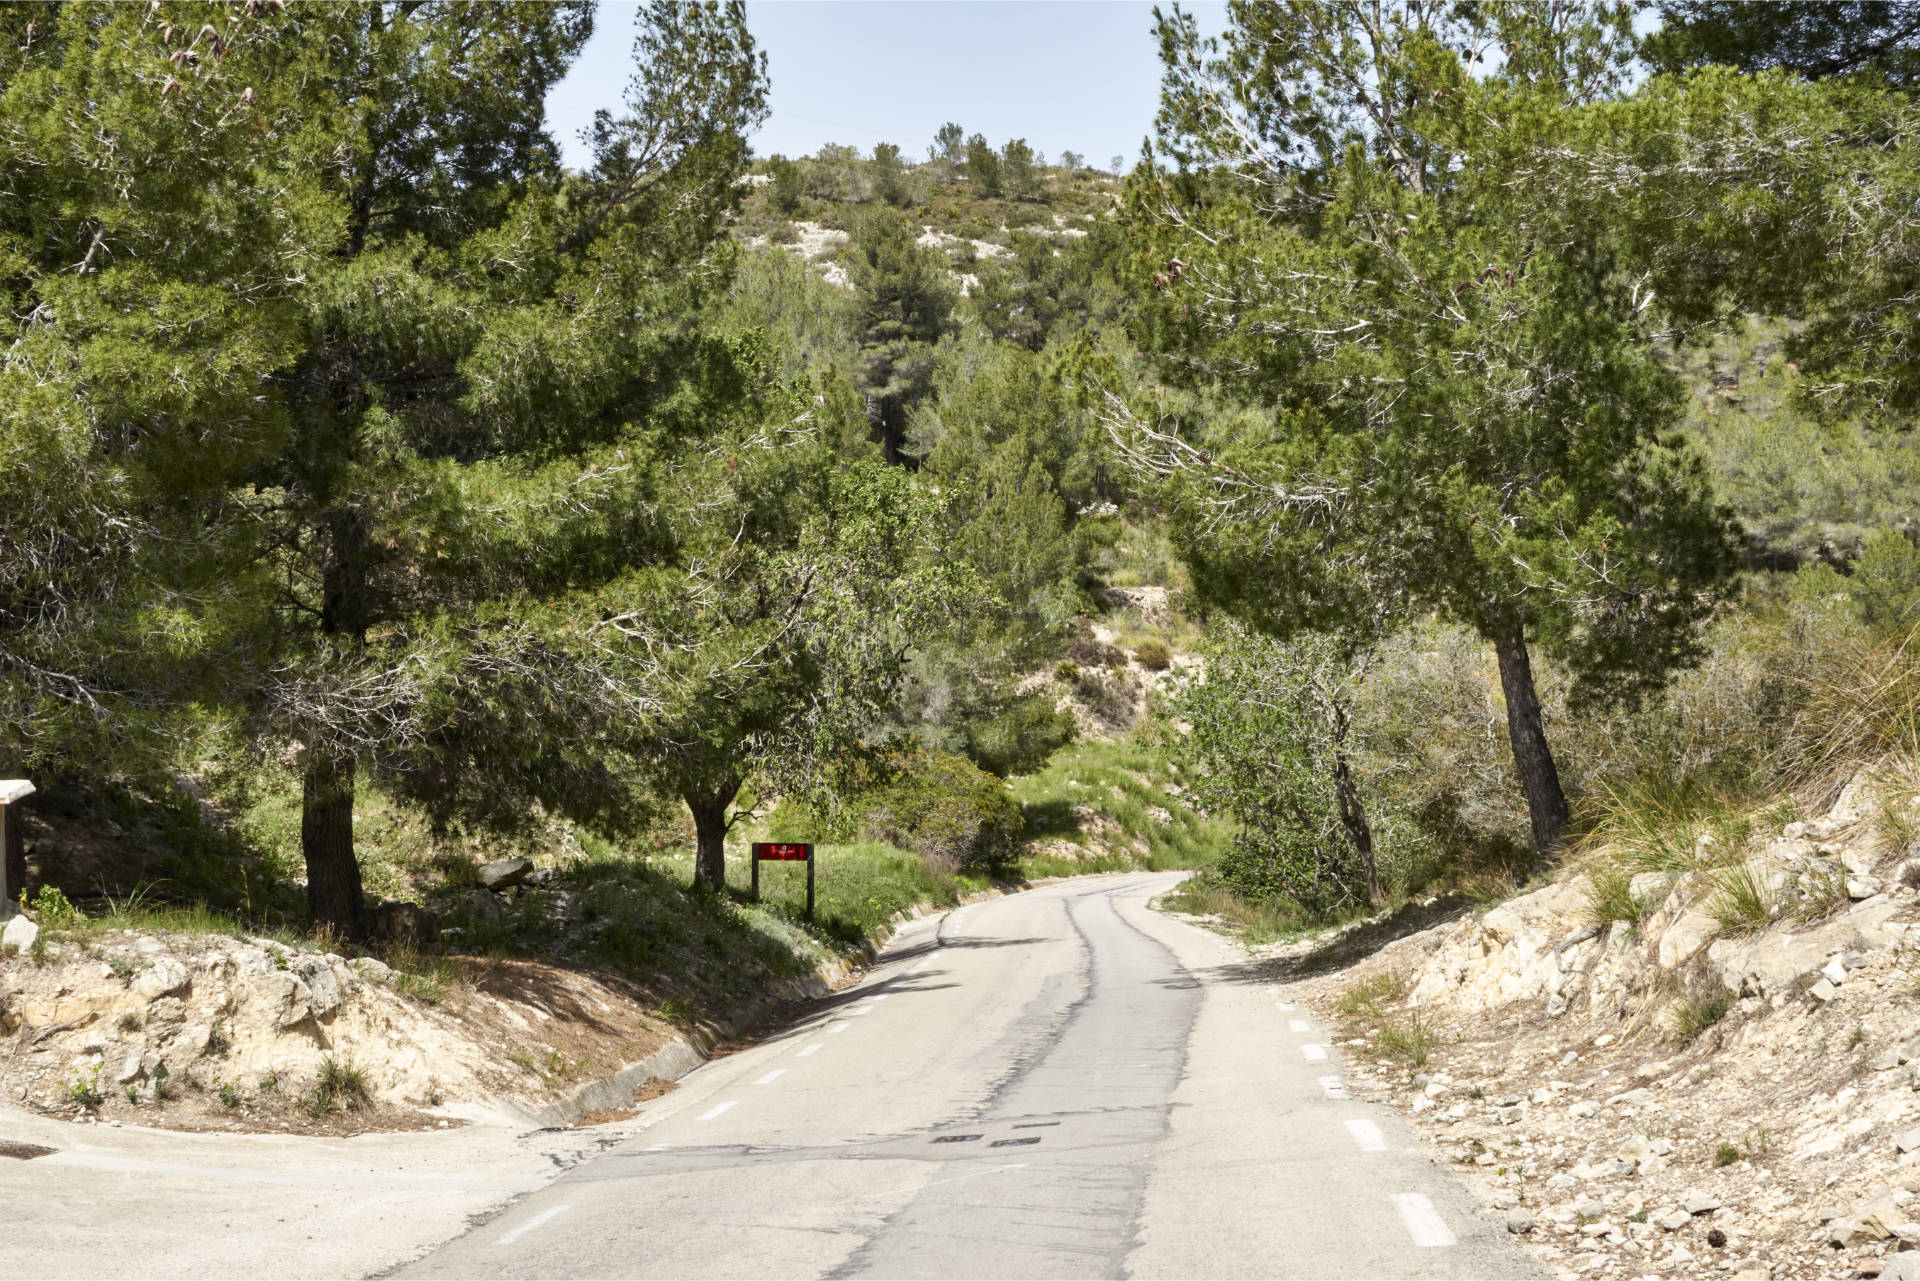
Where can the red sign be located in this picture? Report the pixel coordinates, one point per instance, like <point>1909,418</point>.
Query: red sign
<point>781,851</point>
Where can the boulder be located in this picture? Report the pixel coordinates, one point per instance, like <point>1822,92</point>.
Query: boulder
<point>282,998</point>
<point>1650,888</point>
<point>1823,991</point>
<point>406,923</point>
<point>325,991</point>
<point>19,934</point>
<point>501,873</point>
<point>1519,1222</point>
<point>164,977</point>
<point>1687,935</point>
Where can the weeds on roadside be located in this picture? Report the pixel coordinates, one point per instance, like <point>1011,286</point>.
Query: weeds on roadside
<point>680,1011</point>
<point>84,1086</point>
<point>339,1083</point>
<point>1610,896</point>
<point>1370,995</point>
<point>1822,892</point>
<point>1725,1154</point>
<point>1408,1040</point>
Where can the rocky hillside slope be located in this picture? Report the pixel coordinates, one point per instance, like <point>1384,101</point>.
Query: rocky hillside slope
<point>1728,1085</point>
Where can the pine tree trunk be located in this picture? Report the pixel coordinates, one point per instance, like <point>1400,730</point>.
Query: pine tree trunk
<point>1527,734</point>
<point>1353,817</point>
<point>710,838</point>
<point>334,896</point>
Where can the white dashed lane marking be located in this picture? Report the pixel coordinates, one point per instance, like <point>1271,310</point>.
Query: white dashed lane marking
<point>838,1028</point>
<point>1299,1025</point>
<point>717,1109</point>
<point>809,1051</point>
<point>530,1225</point>
<point>883,996</point>
<point>1334,1086</point>
<point>771,1077</point>
<point>1314,1053</point>
<point>1424,1224</point>
<point>1367,1135</point>
<point>865,1009</point>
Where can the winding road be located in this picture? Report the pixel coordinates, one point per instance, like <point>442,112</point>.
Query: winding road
<point>1059,1083</point>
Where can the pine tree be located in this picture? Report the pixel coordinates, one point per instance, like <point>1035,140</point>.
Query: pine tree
<point>1458,386</point>
<point>906,306</point>
<point>465,465</point>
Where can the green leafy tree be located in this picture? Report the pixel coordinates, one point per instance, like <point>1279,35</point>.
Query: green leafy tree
<point>1815,39</point>
<point>787,187</point>
<point>473,415</point>
<point>149,239</point>
<point>905,307</point>
<point>889,175</point>
<point>948,155</point>
<point>799,585</point>
<point>1023,171</point>
<point>1272,740</point>
<point>983,166</point>
<point>1456,387</point>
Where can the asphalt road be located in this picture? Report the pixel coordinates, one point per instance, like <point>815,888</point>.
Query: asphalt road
<point>1060,1083</point>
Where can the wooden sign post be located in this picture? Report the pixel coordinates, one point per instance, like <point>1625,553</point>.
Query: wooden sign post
<point>784,852</point>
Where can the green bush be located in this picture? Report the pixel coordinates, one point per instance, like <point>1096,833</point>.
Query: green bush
<point>1021,739</point>
<point>1153,655</point>
<point>943,807</point>
<point>1885,583</point>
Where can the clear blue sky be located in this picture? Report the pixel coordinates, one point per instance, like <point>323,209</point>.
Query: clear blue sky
<point>1079,74</point>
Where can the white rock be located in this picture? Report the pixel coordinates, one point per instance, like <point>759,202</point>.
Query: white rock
<point>1693,931</point>
<point>19,934</point>
<point>164,977</point>
<point>1823,991</point>
<point>1834,972</point>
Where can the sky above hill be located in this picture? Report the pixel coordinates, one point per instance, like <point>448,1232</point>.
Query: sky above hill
<point>1063,74</point>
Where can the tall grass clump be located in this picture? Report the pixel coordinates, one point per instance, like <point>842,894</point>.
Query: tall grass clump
<point>1742,901</point>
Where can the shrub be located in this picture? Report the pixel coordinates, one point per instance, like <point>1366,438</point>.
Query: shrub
<point>1085,652</point>
<point>1885,583</point>
<point>1020,739</point>
<point>1153,655</point>
<point>51,910</point>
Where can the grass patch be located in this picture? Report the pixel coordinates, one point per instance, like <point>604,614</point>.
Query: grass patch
<point>1121,805</point>
<point>1663,824</point>
<point>1742,901</point>
<point>1610,895</point>
<point>1370,996</point>
<point>1725,1154</point>
<point>1690,1016</point>
<point>1409,1040</point>
<point>1256,923</point>
<point>340,1084</point>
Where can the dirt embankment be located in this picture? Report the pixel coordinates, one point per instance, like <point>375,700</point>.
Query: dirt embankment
<point>1693,1094</point>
